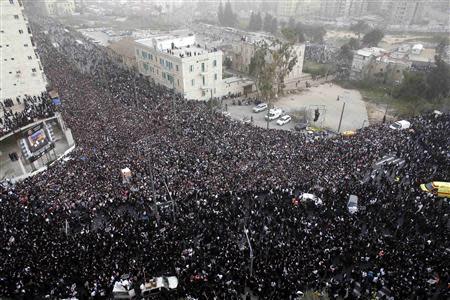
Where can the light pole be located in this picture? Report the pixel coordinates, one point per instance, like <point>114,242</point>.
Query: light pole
<point>251,251</point>
<point>340,120</point>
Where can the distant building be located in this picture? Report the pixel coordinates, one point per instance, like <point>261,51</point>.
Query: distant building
<point>287,8</point>
<point>123,51</point>
<point>57,7</point>
<point>21,71</point>
<point>244,51</point>
<point>403,12</point>
<point>343,8</point>
<point>178,62</point>
<point>377,64</point>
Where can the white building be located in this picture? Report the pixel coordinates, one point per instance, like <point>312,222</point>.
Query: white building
<point>58,7</point>
<point>244,51</point>
<point>178,62</point>
<point>21,71</point>
<point>361,59</point>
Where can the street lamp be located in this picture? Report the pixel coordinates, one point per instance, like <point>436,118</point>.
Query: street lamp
<point>251,251</point>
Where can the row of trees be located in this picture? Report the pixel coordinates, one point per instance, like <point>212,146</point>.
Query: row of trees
<point>432,85</point>
<point>299,32</point>
<point>269,24</point>
<point>226,15</point>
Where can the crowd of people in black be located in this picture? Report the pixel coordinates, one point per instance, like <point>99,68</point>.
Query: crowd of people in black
<point>200,181</point>
<point>34,108</point>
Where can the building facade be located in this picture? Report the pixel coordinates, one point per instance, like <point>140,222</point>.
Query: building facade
<point>178,62</point>
<point>244,51</point>
<point>343,8</point>
<point>21,70</point>
<point>404,12</point>
<point>123,52</point>
<point>58,7</point>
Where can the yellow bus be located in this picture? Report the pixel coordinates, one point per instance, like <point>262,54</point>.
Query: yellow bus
<point>438,188</point>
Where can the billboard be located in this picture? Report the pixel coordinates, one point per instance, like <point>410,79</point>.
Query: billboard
<point>37,138</point>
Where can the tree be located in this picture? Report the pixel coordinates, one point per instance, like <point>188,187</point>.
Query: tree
<point>251,23</point>
<point>442,44</point>
<point>359,28</point>
<point>284,58</point>
<point>220,14</point>
<point>373,38</point>
<point>229,16</point>
<point>413,87</point>
<point>264,73</point>
<point>438,80</point>
<point>354,44</point>
<point>274,26</point>
<point>227,62</point>
<point>267,25</point>
<point>258,22</point>
<point>291,23</point>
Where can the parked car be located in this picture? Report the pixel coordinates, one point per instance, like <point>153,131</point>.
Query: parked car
<point>260,107</point>
<point>226,114</point>
<point>400,125</point>
<point>306,197</point>
<point>156,285</point>
<point>122,289</point>
<point>284,120</point>
<point>274,114</point>
<point>352,204</point>
<point>301,125</point>
<point>348,133</point>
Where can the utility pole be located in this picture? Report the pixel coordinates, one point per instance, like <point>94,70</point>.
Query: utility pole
<point>268,111</point>
<point>340,121</point>
<point>251,251</point>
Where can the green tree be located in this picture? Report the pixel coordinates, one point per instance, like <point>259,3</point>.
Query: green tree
<point>258,22</point>
<point>438,80</point>
<point>264,73</point>
<point>354,44</point>
<point>251,23</point>
<point>274,26</point>
<point>359,28</point>
<point>220,15</point>
<point>413,87</point>
<point>284,58</point>
<point>442,44</point>
<point>290,34</point>
<point>373,38</point>
<point>229,18</point>
<point>267,25</point>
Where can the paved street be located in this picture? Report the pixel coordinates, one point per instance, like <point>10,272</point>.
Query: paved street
<point>325,96</point>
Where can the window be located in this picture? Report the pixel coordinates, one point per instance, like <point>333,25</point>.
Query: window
<point>203,79</point>
<point>203,67</point>
<point>193,82</point>
<point>176,67</point>
<point>12,58</point>
<point>16,16</point>
<point>161,61</point>
<point>33,70</point>
<point>25,45</point>
<point>203,93</point>
<point>144,55</point>
<point>191,68</point>
<point>11,1</point>
<point>215,76</point>
<point>164,75</point>
<point>178,82</point>
<point>214,63</point>
<point>20,31</point>
<point>30,57</point>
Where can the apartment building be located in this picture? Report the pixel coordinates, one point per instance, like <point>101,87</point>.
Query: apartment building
<point>21,70</point>
<point>179,62</point>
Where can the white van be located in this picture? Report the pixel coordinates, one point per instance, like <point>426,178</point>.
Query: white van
<point>274,114</point>
<point>400,125</point>
<point>352,204</point>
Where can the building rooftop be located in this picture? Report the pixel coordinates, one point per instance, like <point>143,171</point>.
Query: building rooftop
<point>124,47</point>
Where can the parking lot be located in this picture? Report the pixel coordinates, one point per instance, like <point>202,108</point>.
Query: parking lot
<point>324,98</point>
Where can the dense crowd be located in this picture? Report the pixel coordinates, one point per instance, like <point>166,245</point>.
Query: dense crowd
<point>34,108</point>
<point>74,229</point>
